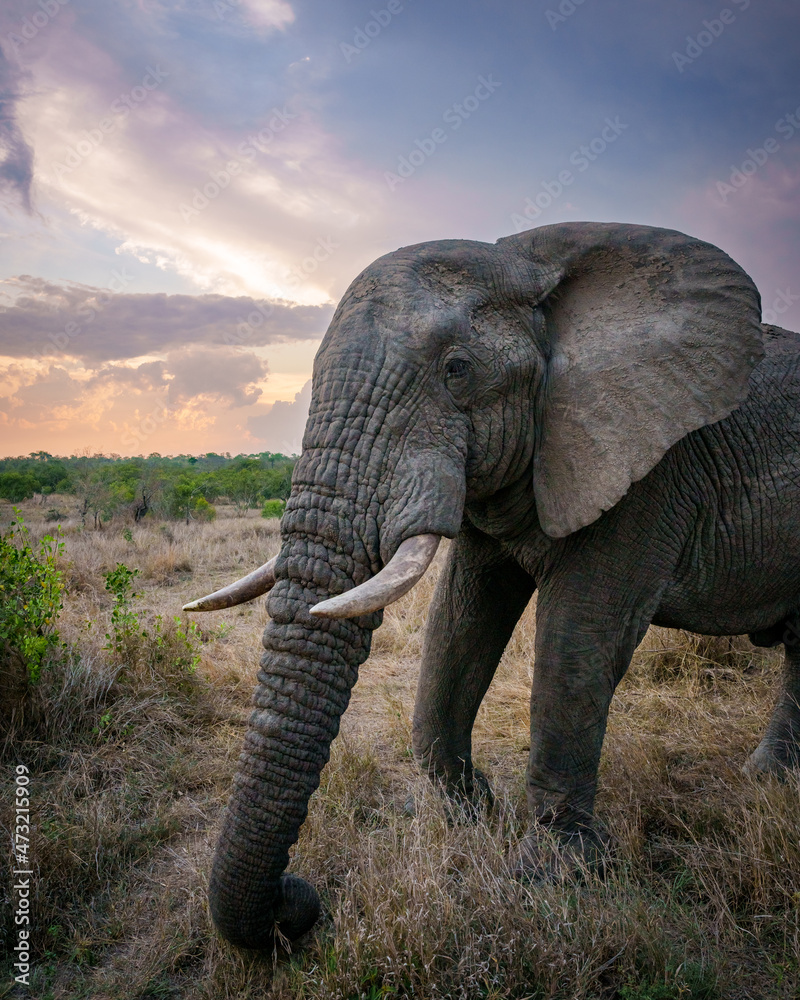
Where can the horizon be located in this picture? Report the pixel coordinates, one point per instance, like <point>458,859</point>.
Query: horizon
<point>187,190</point>
<point>34,456</point>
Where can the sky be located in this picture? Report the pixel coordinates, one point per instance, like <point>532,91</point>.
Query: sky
<point>187,187</point>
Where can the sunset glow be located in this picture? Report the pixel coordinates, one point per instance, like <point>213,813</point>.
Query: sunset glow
<point>187,189</point>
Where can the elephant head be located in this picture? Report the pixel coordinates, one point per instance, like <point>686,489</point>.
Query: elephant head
<point>567,360</point>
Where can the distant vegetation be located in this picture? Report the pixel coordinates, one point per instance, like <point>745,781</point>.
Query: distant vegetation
<point>184,487</point>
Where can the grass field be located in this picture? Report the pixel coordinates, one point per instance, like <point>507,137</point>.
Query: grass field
<point>131,756</point>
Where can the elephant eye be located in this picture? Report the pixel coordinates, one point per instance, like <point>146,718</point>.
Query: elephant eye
<point>457,368</point>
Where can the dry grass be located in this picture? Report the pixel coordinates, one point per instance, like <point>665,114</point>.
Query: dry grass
<point>131,770</point>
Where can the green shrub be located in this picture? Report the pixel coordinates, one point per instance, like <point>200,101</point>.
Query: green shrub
<point>166,647</point>
<point>125,622</point>
<point>185,499</point>
<point>30,596</point>
<point>273,508</point>
<point>16,486</point>
<point>203,510</point>
<point>172,643</point>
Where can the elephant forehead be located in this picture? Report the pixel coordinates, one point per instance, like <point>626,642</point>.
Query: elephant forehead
<point>423,334</point>
<point>398,317</point>
<point>416,301</point>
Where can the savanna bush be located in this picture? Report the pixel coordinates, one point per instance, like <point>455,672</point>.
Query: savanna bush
<point>273,508</point>
<point>203,510</point>
<point>16,486</point>
<point>30,598</point>
<point>167,647</point>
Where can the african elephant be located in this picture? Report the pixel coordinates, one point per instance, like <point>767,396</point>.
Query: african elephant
<point>589,410</point>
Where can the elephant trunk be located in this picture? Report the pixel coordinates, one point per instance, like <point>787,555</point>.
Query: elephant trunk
<point>306,675</point>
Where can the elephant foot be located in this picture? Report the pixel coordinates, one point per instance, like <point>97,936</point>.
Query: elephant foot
<point>297,907</point>
<point>773,757</point>
<point>571,855</point>
<point>469,798</point>
<point>465,800</point>
<point>779,751</point>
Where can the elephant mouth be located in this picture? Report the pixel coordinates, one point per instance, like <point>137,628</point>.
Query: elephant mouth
<point>403,571</point>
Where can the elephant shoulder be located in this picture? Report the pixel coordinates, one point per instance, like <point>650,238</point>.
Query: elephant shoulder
<point>777,376</point>
<point>778,341</point>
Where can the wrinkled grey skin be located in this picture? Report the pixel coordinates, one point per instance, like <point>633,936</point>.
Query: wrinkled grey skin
<point>588,411</point>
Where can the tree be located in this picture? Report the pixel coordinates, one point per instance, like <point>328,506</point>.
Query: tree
<point>91,489</point>
<point>16,486</point>
<point>51,475</point>
<point>243,485</point>
<point>278,482</point>
<point>105,485</point>
<point>186,499</point>
<point>147,489</point>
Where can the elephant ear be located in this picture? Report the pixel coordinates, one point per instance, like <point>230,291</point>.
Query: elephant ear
<point>650,334</point>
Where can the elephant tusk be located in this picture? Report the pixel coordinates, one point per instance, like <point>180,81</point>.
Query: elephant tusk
<point>248,588</point>
<point>397,577</point>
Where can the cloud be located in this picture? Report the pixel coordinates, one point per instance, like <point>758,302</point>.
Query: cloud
<point>217,375</point>
<point>45,319</point>
<point>197,398</point>
<point>229,148</point>
<point>221,375</point>
<point>146,377</point>
<point>281,429</point>
<point>255,198</point>
<point>50,392</point>
<point>16,156</point>
<point>757,222</point>
<point>267,14</point>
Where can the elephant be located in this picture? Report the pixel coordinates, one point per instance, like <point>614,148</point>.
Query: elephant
<point>591,411</point>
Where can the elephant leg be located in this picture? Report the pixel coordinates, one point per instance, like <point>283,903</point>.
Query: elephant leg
<point>478,601</point>
<point>780,747</point>
<point>582,652</point>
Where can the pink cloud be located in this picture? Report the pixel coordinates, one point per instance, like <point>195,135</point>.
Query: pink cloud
<point>756,222</point>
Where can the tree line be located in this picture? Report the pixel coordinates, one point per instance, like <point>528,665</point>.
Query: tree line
<point>178,487</point>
